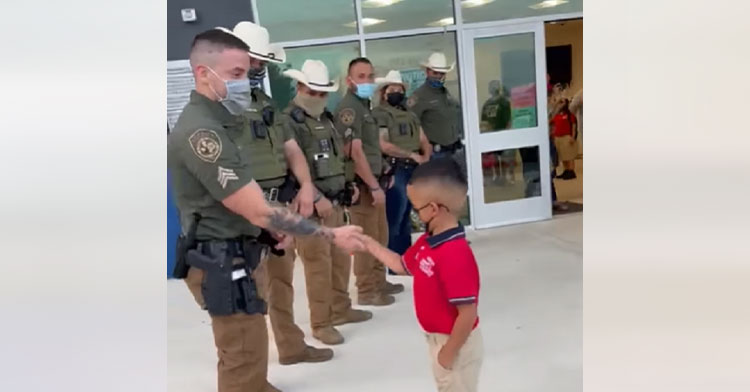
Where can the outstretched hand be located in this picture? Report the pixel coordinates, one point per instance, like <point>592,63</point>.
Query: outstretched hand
<point>348,238</point>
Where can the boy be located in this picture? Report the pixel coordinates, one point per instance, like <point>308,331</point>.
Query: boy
<point>446,276</point>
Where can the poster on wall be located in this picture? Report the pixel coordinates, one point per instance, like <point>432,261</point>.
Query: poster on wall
<point>413,77</point>
<point>179,84</point>
<point>523,106</point>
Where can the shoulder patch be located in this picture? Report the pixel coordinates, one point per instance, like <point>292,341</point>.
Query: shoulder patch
<point>411,101</point>
<point>347,116</point>
<point>206,145</point>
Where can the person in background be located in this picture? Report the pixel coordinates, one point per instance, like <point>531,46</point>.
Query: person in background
<point>496,116</point>
<point>576,107</point>
<point>404,147</point>
<point>354,119</point>
<point>438,112</point>
<point>565,133</point>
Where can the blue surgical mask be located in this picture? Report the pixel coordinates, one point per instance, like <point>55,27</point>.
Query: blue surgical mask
<point>365,90</point>
<point>238,97</point>
<point>435,82</point>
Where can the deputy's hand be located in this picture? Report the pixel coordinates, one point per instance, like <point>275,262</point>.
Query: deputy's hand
<point>284,240</point>
<point>378,197</point>
<point>446,358</point>
<point>324,207</point>
<point>303,203</point>
<point>348,238</point>
<point>419,158</point>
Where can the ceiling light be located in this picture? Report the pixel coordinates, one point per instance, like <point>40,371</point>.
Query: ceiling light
<point>441,22</point>
<point>548,4</point>
<point>379,3</point>
<point>366,22</point>
<point>474,3</point>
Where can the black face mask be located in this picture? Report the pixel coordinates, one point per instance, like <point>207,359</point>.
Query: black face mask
<point>395,99</point>
<point>427,224</point>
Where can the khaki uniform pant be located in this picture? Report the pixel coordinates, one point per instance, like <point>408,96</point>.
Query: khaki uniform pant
<point>276,273</point>
<point>464,375</point>
<point>370,273</point>
<point>241,344</point>
<point>327,270</point>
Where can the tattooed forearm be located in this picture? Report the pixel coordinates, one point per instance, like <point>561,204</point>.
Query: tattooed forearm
<point>285,221</point>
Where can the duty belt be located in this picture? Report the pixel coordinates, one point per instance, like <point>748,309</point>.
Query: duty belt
<point>271,194</point>
<point>394,162</point>
<point>451,147</point>
<point>235,245</point>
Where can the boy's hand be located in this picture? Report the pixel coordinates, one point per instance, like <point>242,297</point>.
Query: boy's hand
<point>446,358</point>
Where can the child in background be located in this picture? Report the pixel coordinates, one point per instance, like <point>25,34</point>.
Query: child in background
<point>446,276</point>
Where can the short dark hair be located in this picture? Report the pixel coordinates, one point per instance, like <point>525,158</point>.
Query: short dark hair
<point>446,170</point>
<point>219,38</point>
<point>357,61</point>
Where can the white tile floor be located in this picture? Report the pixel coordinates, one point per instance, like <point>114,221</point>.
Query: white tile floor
<point>530,313</point>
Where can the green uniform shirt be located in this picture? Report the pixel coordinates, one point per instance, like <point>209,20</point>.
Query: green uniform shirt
<point>321,144</point>
<point>402,126</point>
<point>496,113</point>
<point>354,118</point>
<point>438,112</point>
<point>207,167</point>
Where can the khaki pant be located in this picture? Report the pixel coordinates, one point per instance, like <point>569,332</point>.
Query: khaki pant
<point>327,270</point>
<point>277,273</point>
<point>464,375</point>
<point>241,344</point>
<point>567,147</point>
<point>370,273</point>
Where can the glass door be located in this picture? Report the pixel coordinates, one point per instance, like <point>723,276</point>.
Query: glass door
<point>507,129</point>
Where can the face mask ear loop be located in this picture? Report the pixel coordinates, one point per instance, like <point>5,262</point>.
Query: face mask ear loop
<point>212,87</point>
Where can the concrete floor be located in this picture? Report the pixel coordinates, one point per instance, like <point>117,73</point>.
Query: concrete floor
<point>530,313</point>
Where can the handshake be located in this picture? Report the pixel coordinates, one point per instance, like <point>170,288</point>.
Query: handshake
<point>350,238</point>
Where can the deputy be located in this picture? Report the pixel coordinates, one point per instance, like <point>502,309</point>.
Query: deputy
<point>354,118</point>
<point>213,186</point>
<point>327,268</point>
<point>263,145</point>
<point>438,112</point>
<point>404,146</point>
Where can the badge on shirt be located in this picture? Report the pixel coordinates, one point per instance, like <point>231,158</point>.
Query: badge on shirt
<point>347,116</point>
<point>206,145</point>
<point>411,101</point>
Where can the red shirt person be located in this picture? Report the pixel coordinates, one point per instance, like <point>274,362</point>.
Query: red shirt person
<point>565,132</point>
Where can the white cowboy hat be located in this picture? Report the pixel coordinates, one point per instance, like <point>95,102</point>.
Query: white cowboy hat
<point>314,74</point>
<point>392,77</point>
<point>256,37</point>
<point>438,62</point>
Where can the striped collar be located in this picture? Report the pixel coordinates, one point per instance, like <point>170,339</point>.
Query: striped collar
<point>449,235</point>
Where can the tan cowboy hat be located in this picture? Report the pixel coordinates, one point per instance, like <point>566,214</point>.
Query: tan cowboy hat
<point>314,74</point>
<point>438,62</point>
<point>392,77</point>
<point>256,37</point>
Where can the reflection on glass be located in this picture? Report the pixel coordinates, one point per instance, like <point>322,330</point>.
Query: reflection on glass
<point>406,53</point>
<point>406,14</point>
<point>294,20</point>
<point>336,57</point>
<point>486,10</point>
<point>511,174</point>
<point>505,74</point>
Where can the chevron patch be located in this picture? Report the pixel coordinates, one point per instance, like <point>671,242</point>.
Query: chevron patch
<point>226,175</point>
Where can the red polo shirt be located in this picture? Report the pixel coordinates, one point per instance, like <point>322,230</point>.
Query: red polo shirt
<point>445,275</point>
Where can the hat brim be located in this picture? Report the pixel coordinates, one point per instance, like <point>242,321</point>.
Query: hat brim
<point>440,69</point>
<point>300,77</point>
<point>275,54</point>
<point>383,83</point>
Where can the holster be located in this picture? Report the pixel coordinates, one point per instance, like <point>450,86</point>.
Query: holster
<point>288,190</point>
<point>228,286</point>
<point>266,238</point>
<point>345,197</point>
<point>185,242</point>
